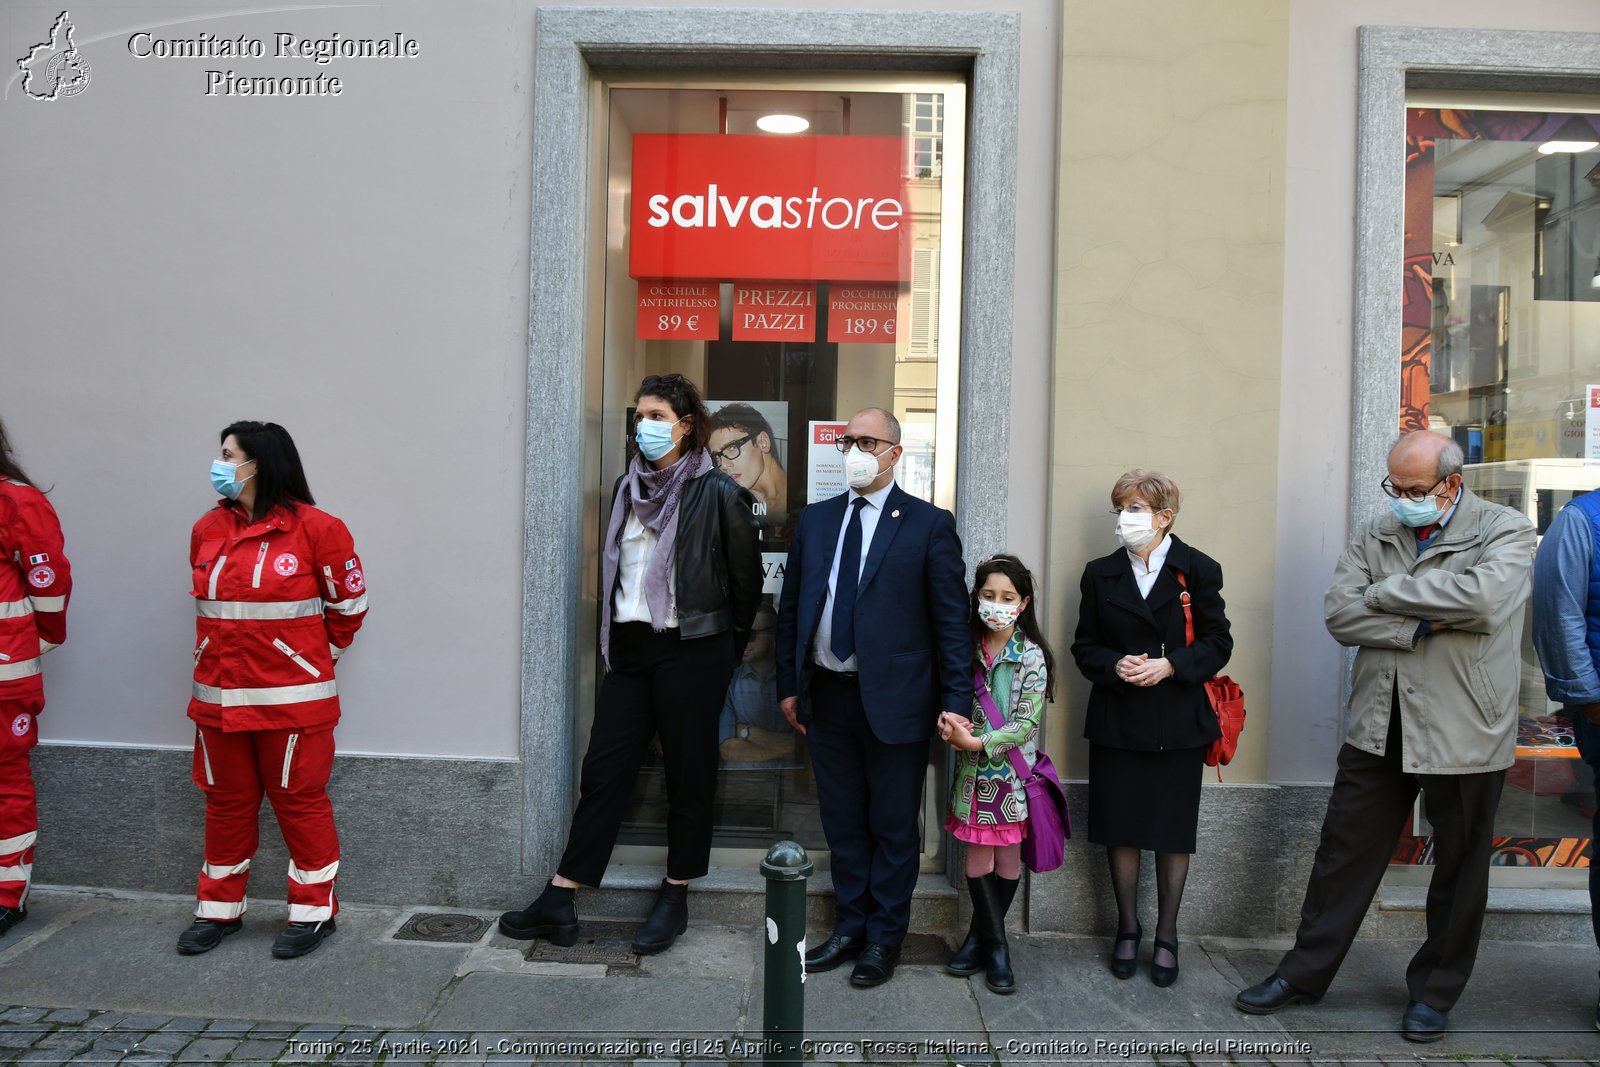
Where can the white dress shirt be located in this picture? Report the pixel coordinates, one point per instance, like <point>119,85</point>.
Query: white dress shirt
<point>633,556</point>
<point>1146,576</point>
<point>822,646</point>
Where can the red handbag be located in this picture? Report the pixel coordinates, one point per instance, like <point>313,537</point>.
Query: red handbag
<point>1226,698</point>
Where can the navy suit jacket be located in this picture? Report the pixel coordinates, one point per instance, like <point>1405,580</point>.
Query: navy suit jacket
<point>913,648</point>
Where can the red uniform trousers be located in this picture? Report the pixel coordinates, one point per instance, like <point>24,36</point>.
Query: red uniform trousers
<point>19,814</point>
<point>291,767</point>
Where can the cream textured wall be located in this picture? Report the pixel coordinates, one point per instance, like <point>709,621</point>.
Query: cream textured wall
<point>1169,280</point>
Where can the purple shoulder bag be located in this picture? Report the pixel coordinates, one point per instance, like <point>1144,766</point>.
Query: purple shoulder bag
<point>1049,821</point>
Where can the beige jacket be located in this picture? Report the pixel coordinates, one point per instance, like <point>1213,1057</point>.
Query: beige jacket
<point>1458,685</point>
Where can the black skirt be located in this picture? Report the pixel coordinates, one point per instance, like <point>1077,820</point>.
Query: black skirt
<point>1148,800</point>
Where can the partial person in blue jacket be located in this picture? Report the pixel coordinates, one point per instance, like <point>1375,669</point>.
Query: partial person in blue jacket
<point>872,625</point>
<point>1566,632</point>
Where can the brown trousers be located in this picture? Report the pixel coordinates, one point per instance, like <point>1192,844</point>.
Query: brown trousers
<point>1372,796</point>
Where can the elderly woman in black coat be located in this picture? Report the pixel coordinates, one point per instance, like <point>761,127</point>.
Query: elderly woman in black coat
<point>1149,721</point>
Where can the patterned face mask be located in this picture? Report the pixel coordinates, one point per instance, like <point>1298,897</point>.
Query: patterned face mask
<point>998,617</point>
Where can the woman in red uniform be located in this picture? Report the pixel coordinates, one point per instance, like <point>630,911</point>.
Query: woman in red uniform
<point>279,593</point>
<point>35,581</point>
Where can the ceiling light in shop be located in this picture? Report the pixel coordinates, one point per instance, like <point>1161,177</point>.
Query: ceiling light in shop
<point>1552,147</point>
<point>783,124</point>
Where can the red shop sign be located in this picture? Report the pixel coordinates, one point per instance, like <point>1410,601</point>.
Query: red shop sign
<point>773,208</point>
<point>679,311</point>
<point>862,314</point>
<point>774,312</point>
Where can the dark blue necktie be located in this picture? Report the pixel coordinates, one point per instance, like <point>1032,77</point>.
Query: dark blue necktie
<point>844,587</point>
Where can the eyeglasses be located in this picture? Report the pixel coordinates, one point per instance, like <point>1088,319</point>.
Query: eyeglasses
<point>1136,509</point>
<point>1417,495</point>
<point>869,445</point>
<point>731,450</point>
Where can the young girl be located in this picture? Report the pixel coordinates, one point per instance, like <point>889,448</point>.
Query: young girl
<point>988,805</point>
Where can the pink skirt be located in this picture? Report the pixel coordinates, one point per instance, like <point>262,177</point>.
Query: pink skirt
<point>1007,833</point>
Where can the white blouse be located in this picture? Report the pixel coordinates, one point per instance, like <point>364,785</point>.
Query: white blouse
<point>1146,576</point>
<point>633,556</point>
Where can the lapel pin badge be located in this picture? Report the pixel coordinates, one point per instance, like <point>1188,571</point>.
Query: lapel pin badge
<point>895,514</point>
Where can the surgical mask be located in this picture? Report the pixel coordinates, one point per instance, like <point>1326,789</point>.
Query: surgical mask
<point>860,468</point>
<point>225,478</point>
<point>1416,513</point>
<point>1135,529</point>
<point>998,617</point>
<point>655,438</point>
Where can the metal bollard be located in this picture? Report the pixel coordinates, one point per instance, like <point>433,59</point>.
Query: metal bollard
<point>786,868</point>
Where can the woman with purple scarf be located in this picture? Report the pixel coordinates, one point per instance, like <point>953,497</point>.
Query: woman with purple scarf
<point>682,573</point>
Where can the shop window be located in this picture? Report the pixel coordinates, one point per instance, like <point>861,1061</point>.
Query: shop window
<point>1501,350</point>
<point>702,276</point>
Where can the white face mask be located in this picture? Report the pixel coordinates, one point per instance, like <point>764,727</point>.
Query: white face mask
<point>998,617</point>
<point>1135,529</point>
<point>859,468</point>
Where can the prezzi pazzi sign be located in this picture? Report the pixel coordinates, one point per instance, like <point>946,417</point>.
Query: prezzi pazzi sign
<point>769,208</point>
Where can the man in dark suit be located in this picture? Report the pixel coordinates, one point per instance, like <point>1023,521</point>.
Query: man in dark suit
<point>872,624</point>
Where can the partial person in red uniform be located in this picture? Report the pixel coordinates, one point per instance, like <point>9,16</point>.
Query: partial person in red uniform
<point>35,582</point>
<point>279,593</point>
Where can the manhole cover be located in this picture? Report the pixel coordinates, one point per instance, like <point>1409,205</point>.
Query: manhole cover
<point>433,926</point>
<point>599,941</point>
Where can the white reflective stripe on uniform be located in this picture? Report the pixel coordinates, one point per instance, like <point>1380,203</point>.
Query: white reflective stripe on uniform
<point>306,913</point>
<point>281,694</point>
<point>216,570</point>
<point>47,646</point>
<point>218,870</point>
<point>20,843</point>
<point>261,557</point>
<point>299,660</point>
<point>288,759</point>
<point>325,874</point>
<point>20,609</point>
<point>16,874</point>
<point>247,609</point>
<point>350,607</point>
<point>218,909</point>
<point>49,603</point>
<point>10,672</point>
<point>205,755</point>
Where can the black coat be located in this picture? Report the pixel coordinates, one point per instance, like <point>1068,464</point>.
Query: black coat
<point>1115,621</point>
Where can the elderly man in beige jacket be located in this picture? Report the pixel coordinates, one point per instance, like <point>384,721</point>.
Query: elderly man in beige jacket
<point>1431,597</point>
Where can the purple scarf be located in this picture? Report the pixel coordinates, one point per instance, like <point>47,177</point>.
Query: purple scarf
<point>652,495</point>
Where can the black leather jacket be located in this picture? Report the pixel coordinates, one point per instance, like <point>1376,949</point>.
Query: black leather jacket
<point>717,583</point>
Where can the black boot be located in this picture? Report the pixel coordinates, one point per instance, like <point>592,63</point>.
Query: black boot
<point>990,918</point>
<point>968,959</point>
<point>668,919</point>
<point>554,915</point>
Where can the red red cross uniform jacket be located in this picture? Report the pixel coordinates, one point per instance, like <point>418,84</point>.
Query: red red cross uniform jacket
<point>277,601</point>
<point>35,584</point>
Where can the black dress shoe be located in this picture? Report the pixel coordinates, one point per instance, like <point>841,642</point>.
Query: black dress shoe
<point>10,917</point>
<point>1164,976</point>
<point>299,938</point>
<point>206,934</point>
<point>1274,994</point>
<point>1125,968</point>
<point>553,914</point>
<point>668,919</point>
<point>876,965</point>
<point>1422,1023</point>
<point>832,952</point>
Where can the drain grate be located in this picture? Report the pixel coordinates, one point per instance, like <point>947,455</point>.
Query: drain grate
<point>444,928</point>
<point>606,941</point>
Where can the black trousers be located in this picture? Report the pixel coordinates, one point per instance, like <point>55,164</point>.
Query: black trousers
<point>1372,795</point>
<point>662,685</point>
<point>868,794</point>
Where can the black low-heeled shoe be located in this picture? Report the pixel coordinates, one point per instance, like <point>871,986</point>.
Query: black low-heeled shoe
<point>1164,976</point>
<point>1125,968</point>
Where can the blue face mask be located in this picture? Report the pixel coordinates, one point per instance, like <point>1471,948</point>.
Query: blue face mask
<point>655,438</point>
<point>1415,513</point>
<point>223,475</point>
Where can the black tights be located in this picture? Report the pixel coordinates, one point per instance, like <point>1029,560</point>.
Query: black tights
<point>1172,871</point>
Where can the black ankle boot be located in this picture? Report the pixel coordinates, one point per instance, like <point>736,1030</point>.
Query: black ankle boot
<point>554,915</point>
<point>668,919</point>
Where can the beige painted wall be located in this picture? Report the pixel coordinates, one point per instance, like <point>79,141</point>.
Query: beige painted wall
<point>1169,280</point>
